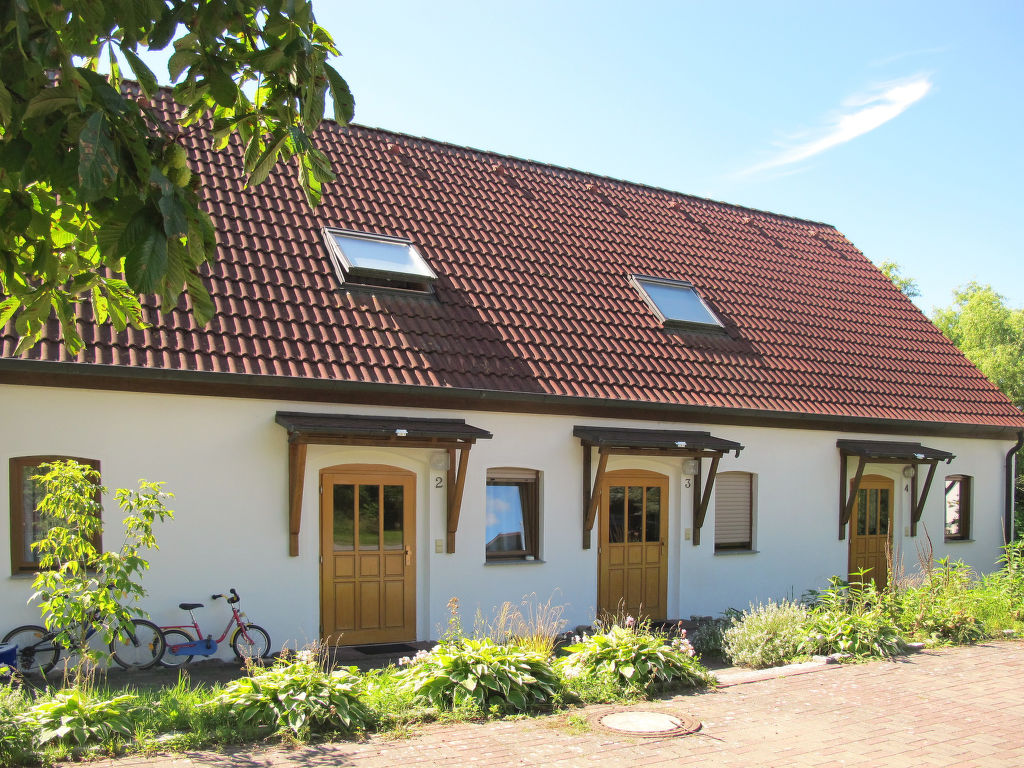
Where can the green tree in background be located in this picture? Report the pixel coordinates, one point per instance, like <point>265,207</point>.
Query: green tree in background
<point>908,287</point>
<point>991,335</point>
<point>97,199</point>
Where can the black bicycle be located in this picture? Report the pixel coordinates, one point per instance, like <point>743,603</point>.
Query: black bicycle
<point>138,647</point>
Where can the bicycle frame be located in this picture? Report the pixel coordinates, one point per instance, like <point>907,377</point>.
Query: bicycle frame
<point>235,620</point>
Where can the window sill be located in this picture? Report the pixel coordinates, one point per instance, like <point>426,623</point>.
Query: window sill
<point>734,552</point>
<point>959,541</point>
<point>513,561</point>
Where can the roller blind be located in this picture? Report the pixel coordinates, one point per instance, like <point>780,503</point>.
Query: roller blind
<point>733,497</point>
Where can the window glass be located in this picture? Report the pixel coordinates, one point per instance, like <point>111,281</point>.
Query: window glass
<point>958,497</point>
<point>512,516</point>
<point>653,533</point>
<point>635,513</point>
<point>382,255</point>
<point>394,517</point>
<point>344,517</point>
<point>369,517</point>
<point>678,302</point>
<point>27,525</point>
<point>616,514</point>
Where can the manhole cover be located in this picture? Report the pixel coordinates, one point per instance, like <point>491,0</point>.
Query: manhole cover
<point>641,723</point>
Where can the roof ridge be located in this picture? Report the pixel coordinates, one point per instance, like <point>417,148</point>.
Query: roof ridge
<point>578,172</point>
<point>168,89</point>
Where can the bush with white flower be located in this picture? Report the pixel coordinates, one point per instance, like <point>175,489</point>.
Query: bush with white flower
<point>633,657</point>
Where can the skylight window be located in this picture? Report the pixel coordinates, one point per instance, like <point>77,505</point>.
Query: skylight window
<point>678,304</point>
<point>378,260</point>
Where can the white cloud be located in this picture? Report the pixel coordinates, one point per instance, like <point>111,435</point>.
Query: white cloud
<point>859,115</point>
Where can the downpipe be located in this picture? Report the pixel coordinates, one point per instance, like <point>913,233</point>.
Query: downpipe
<point>1010,478</point>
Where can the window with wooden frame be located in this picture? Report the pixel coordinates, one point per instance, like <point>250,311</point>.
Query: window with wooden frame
<point>958,507</point>
<point>734,511</point>
<point>26,525</point>
<point>513,516</point>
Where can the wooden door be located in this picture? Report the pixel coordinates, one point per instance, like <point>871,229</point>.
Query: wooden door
<point>368,563</point>
<point>632,557</point>
<point>871,529</point>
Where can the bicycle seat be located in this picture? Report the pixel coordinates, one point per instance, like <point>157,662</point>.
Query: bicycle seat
<point>189,606</point>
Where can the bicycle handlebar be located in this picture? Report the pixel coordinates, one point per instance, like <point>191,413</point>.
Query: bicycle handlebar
<point>231,600</point>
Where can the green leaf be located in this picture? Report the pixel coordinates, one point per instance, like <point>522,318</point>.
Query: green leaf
<point>97,163</point>
<point>202,305</point>
<point>49,100</point>
<point>344,102</point>
<point>145,76</point>
<point>5,105</point>
<point>268,159</point>
<point>181,60</point>
<point>7,309</point>
<point>222,86</point>
<point>143,246</point>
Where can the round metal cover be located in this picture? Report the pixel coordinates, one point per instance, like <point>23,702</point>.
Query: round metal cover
<point>646,723</point>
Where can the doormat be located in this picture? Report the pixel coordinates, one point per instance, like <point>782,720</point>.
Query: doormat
<point>385,648</point>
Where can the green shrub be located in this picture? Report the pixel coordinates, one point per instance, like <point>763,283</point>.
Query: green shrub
<point>946,605</point>
<point>295,695</point>
<point>15,737</point>
<point>80,716</point>
<point>478,672</point>
<point>767,634</point>
<point>854,618</point>
<point>634,658</point>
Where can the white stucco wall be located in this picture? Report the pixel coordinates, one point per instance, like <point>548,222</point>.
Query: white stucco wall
<point>225,461</point>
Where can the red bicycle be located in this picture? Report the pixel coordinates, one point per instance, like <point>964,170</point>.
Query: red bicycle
<point>248,641</point>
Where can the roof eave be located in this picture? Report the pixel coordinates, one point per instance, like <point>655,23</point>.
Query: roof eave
<point>119,378</point>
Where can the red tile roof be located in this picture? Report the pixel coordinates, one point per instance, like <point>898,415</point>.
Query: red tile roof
<point>534,295</point>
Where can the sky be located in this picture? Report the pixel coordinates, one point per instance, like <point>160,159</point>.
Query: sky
<point>898,123</point>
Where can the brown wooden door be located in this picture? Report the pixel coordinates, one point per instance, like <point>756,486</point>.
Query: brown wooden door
<point>871,529</point>
<point>632,557</point>
<point>368,562</point>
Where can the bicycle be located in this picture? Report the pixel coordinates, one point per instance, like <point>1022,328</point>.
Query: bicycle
<point>139,648</point>
<point>248,641</point>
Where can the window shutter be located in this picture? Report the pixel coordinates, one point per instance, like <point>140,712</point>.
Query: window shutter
<point>733,509</point>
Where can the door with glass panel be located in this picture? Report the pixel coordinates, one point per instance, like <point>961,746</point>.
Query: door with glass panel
<point>632,556</point>
<point>368,564</point>
<point>871,529</point>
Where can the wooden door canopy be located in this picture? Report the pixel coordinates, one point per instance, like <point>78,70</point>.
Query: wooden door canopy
<point>617,441</point>
<point>885,452</point>
<point>452,435</point>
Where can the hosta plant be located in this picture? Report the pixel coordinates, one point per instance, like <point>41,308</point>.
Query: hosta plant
<point>499,678</point>
<point>77,715</point>
<point>634,657</point>
<point>296,695</point>
<point>854,618</point>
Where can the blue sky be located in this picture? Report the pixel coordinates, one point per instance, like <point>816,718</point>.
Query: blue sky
<point>899,123</point>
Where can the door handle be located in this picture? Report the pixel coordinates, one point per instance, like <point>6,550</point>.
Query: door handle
<point>408,556</point>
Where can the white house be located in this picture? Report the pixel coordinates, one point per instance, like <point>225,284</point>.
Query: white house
<point>468,375</point>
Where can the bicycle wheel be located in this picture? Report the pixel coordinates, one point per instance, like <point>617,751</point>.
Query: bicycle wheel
<point>255,647</point>
<point>173,637</point>
<point>139,649</point>
<point>37,652</point>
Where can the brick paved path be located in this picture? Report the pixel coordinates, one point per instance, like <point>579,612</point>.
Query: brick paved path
<point>962,707</point>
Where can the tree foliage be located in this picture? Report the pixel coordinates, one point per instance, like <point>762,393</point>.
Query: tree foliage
<point>908,286</point>
<point>991,335</point>
<point>97,199</point>
<point>81,589</point>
